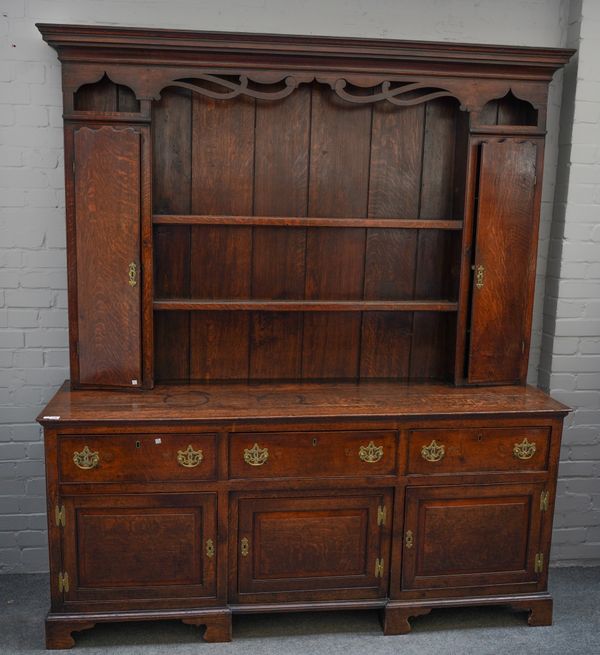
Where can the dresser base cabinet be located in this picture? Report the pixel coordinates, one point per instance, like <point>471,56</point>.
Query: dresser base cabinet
<point>163,507</point>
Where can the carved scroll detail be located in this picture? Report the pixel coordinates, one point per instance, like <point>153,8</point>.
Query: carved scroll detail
<point>236,88</point>
<point>391,94</point>
<point>235,85</point>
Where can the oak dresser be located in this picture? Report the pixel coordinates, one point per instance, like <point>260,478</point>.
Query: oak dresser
<point>301,275</point>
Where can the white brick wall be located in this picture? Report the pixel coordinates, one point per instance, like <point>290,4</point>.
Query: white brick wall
<point>33,337</point>
<point>570,362</point>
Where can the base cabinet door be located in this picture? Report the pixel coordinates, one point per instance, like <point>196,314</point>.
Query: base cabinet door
<point>139,547</point>
<point>313,547</point>
<point>475,536</point>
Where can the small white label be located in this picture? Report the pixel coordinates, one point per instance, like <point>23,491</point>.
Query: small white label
<point>134,382</point>
<point>51,418</point>
<point>158,441</point>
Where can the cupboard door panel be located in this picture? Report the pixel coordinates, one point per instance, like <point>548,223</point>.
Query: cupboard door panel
<point>297,546</point>
<point>107,233</point>
<point>139,547</point>
<point>471,536</point>
<point>504,262</point>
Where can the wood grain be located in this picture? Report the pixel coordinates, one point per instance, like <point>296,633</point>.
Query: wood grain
<point>171,192</point>
<point>278,257</point>
<point>503,245</point>
<point>107,206</point>
<point>222,182</point>
<point>338,187</point>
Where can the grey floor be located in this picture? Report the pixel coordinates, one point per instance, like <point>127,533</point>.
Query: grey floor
<point>481,631</point>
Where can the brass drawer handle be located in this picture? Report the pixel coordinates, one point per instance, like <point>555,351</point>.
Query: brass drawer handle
<point>371,453</point>
<point>189,457</point>
<point>86,459</point>
<point>256,456</point>
<point>245,547</point>
<point>524,450</point>
<point>435,452</point>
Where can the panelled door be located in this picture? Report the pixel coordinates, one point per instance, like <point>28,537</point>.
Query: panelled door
<point>106,198</point>
<point>131,548</point>
<point>326,546</point>
<point>504,262</point>
<point>458,536</point>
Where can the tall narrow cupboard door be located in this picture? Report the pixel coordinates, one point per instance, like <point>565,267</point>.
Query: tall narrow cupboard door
<point>504,261</point>
<point>107,208</point>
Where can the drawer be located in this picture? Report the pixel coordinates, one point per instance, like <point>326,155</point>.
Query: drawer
<point>478,449</point>
<point>137,457</point>
<point>307,454</point>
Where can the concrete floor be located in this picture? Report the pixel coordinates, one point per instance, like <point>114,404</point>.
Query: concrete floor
<point>480,631</point>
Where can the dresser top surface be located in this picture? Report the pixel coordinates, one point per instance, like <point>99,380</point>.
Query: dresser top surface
<point>230,402</point>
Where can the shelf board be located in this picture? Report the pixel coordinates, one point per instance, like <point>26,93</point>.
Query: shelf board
<point>308,221</point>
<point>183,304</point>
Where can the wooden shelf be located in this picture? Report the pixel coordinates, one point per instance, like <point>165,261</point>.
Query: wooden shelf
<point>308,221</point>
<point>179,304</point>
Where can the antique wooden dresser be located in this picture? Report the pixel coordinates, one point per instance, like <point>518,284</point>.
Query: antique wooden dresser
<point>301,276</point>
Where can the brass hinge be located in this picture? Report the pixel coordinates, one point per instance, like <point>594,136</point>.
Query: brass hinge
<point>379,567</point>
<point>544,500</point>
<point>60,515</point>
<point>381,515</point>
<point>539,563</point>
<point>63,582</point>
<point>409,539</point>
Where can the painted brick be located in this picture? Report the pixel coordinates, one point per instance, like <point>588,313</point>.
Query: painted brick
<point>22,318</point>
<point>589,346</point>
<point>10,560</point>
<point>570,536</point>
<point>28,358</point>
<point>51,337</point>
<point>28,298</point>
<point>576,469</point>
<point>11,339</point>
<point>10,451</point>
<point>35,560</point>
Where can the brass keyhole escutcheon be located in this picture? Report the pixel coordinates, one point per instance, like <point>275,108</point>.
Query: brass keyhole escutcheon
<point>132,274</point>
<point>479,276</point>
<point>210,548</point>
<point>138,444</point>
<point>245,547</point>
<point>314,441</point>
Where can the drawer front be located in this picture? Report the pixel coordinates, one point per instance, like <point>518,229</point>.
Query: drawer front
<point>137,458</point>
<point>478,449</point>
<point>303,454</point>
